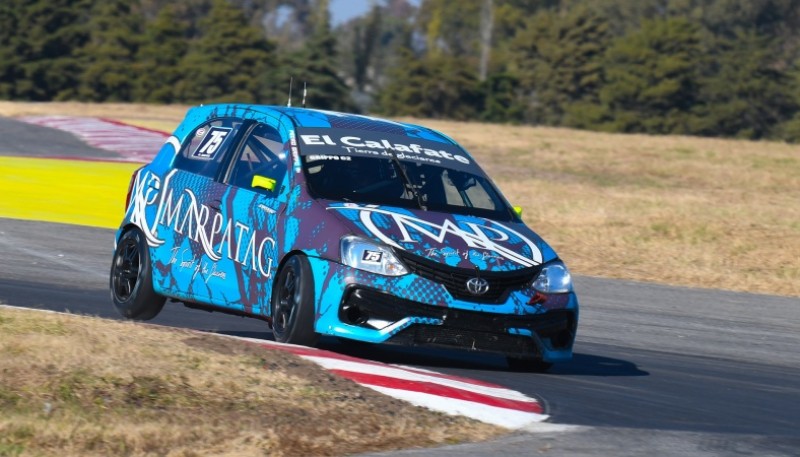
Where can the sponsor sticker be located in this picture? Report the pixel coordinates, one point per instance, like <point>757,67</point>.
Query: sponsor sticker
<point>373,257</point>
<point>179,211</point>
<point>335,144</point>
<point>318,157</point>
<point>211,143</point>
<point>295,154</point>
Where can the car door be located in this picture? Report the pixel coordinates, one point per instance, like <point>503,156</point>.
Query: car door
<point>257,193</point>
<point>191,263</point>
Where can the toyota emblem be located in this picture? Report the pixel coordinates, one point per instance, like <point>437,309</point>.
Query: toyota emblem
<point>477,286</point>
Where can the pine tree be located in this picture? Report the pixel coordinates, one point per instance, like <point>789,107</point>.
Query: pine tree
<point>9,61</point>
<point>364,61</point>
<point>652,78</point>
<point>364,41</point>
<point>402,95</point>
<point>109,72</point>
<point>503,99</point>
<point>437,86</point>
<point>43,49</point>
<point>163,46</point>
<point>559,57</point>
<point>452,28</point>
<point>746,95</point>
<point>230,61</point>
<point>316,66</point>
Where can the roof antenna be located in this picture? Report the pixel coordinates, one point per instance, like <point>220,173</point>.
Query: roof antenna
<point>289,103</point>
<point>304,94</point>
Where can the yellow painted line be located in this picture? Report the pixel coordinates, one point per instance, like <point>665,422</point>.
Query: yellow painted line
<point>67,191</point>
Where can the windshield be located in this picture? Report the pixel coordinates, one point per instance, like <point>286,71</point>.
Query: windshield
<point>380,180</point>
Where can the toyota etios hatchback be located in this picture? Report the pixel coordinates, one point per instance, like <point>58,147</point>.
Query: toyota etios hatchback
<point>324,223</point>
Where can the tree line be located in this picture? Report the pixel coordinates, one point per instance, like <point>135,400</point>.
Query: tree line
<point>698,67</point>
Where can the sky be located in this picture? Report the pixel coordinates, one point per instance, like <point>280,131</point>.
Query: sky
<point>342,10</point>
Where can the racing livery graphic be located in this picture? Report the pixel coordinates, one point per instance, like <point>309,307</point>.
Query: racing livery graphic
<point>324,223</point>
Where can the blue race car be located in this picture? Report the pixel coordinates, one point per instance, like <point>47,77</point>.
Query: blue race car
<point>324,223</point>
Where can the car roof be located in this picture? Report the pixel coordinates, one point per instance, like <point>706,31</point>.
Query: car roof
<point>303,118</point>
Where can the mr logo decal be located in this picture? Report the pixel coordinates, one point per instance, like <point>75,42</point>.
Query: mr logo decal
<point>211,143</point>
<point>488,236</point>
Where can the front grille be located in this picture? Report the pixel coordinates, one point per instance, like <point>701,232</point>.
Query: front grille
<point>471,330</point>
<point>455,279</point>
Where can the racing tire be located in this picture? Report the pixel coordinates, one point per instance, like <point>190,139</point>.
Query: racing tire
<point>293,303</point>
<point>131,279</point>
<point>528,365</point>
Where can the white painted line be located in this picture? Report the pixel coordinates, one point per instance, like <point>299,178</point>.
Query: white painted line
<point>490,414</point>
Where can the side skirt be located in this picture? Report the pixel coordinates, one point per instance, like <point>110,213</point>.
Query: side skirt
<point>220,309</point>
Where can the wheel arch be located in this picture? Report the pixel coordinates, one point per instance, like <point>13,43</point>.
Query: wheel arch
<point>123,229</point>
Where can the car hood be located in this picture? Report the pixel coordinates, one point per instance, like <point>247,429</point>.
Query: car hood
<point>451,239</point>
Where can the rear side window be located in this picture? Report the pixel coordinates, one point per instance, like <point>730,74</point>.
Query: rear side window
<point>207,146</point>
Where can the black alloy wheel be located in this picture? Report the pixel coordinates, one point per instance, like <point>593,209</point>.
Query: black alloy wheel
<point>131,281</point>
<point>293,303</point>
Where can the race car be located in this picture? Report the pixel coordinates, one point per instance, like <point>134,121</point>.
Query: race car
<point>328,223</point>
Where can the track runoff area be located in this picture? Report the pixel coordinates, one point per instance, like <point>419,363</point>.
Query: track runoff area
<point>91,192</point>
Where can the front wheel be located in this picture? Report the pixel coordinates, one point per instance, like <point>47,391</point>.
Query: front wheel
<point>293,303</point>
<point>131,281</point>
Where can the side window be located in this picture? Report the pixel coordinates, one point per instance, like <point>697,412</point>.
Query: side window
<point>207,147</point>
<point>262,158</point>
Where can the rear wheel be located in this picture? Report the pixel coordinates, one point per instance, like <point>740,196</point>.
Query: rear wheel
<point>131,281</point>
<point>528,365</point>
<point>293,303</point>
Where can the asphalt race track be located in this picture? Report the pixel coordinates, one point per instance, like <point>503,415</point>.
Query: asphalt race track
<point>658,370</point>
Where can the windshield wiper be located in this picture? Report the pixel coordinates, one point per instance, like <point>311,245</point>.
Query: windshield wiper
<point>409,184</point>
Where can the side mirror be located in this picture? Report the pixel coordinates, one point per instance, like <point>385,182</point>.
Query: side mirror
<point>518,210</point>
<point>263,182</point>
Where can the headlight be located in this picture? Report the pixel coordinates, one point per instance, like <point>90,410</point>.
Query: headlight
<point>366,255</point>
<point>554,279</point>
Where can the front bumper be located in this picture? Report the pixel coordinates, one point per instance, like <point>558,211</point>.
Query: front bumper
<point>412,310</point>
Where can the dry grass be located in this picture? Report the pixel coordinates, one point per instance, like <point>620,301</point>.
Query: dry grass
<point>676,210</point>
<point>80,386</point>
